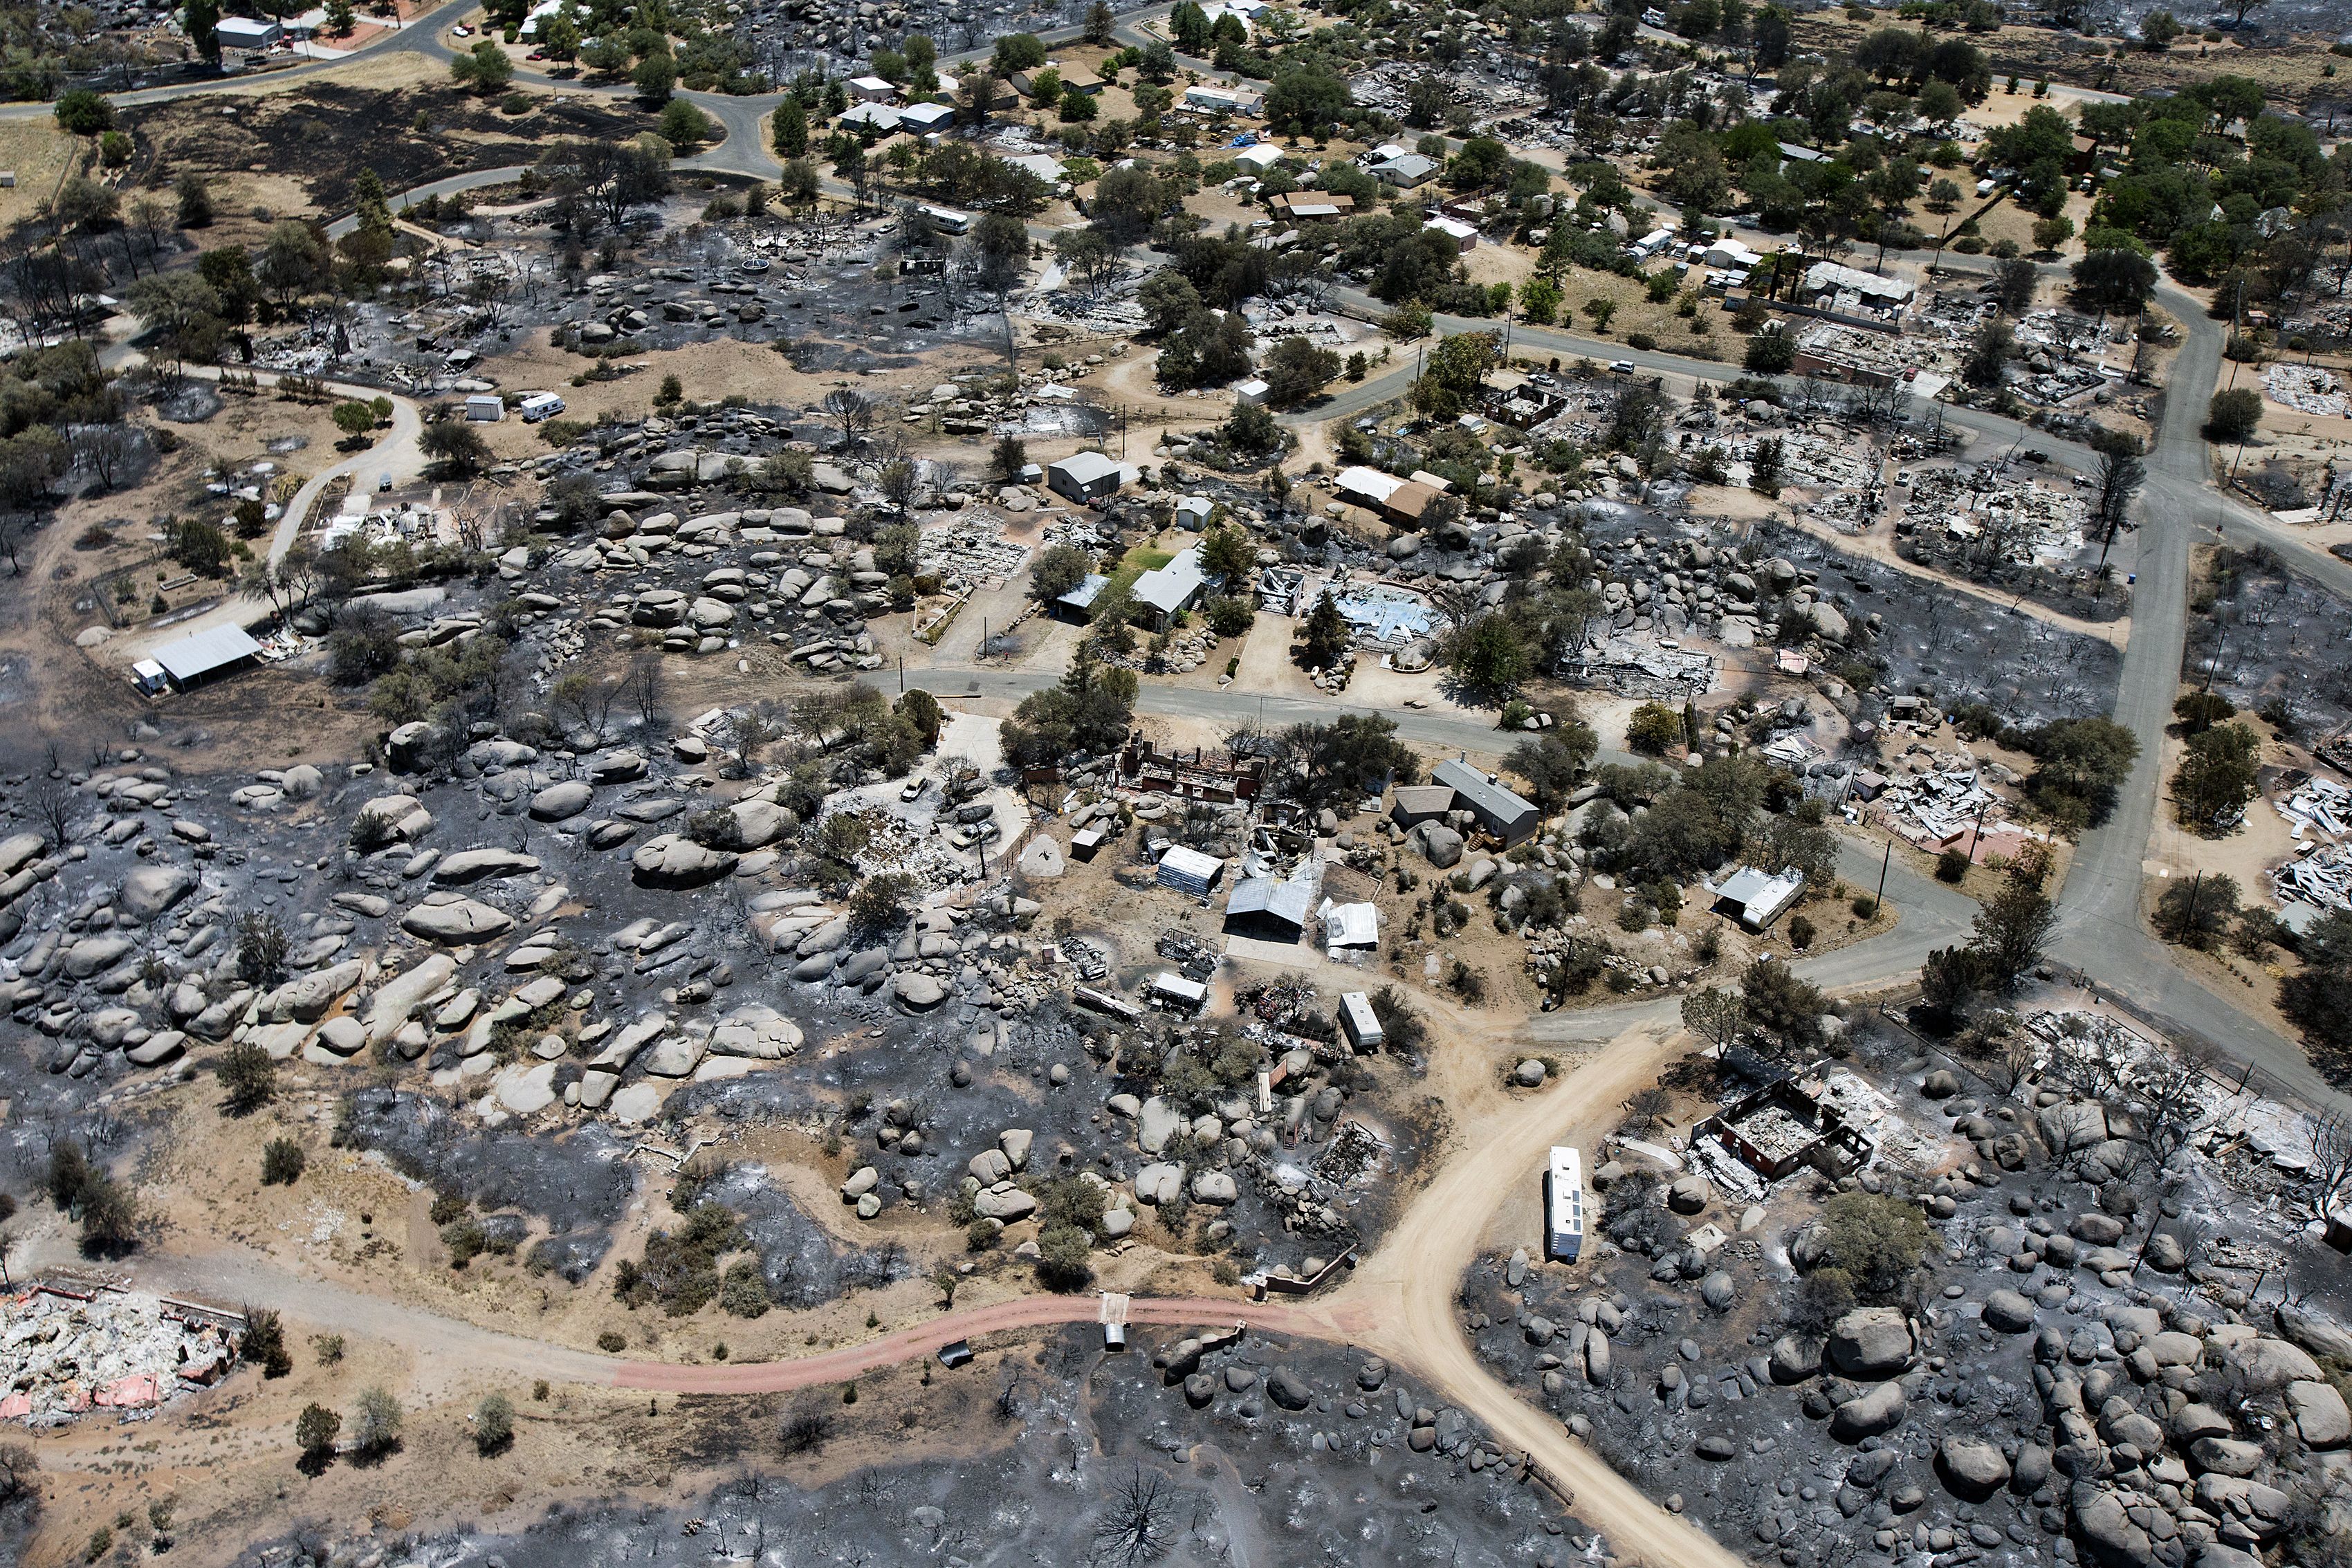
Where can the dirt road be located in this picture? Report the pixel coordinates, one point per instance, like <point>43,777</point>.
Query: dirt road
<point>1400,1302</point>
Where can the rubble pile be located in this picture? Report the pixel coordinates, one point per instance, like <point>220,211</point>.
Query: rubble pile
<point>2319,872</point>
<point>2306,389</point>
<point>66,1353</point>
<point>1974,513</point>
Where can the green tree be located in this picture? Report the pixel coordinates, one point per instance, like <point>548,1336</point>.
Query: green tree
<point>1090,710</point>
<point>376,1421</point>
<point>2233,416</point>
<point>1488,658</point>
<point>1297,371</point>
<point>199,20</point>
<point>683,126</point>
<point>2013,926</point>
<point>1876,1242</point>
<point>1057,569</point>
<point>83,112</point>
<point>484,67</point>
<point>792,128</point>
<point>2217,778</point>
<point>1325,636</point>
<point>2114,281</point>
<point>2197,912</point>
<point>354,419</point>
<point>248,1078</point>
<point>1782,1009</point>
<point>1019,52</point>
<point>2081,763</point>
<point>656,78</point>
<point>1452,374</point>
<point>1007,458</point>
<point>1556,761</point>
<point>1653,729</point>
<point>2318,996</point>
<point>1770,353</point>
<point>315,1431</point>
<point>1227,553</point>
<point>456,445</point>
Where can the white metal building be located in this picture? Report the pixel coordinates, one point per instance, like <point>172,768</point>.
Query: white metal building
<point>1564,1205</point>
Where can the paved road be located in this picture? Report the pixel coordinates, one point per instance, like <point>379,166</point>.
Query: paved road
<point>420,35</point>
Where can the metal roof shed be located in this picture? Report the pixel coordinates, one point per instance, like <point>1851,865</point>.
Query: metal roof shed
<point>1350,924</point>
<point>1261,907</point>
<point>193,660</point>
<point>1190,870</point>
<point>1175,990</point>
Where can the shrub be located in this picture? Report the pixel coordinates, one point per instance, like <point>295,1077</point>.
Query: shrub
<point>375,1421</point>
<point>1952,866</point>
<point>247,1077</point>
<point>493,1423</point>
<point>611,1344</point>
<point>1063,1253</point>
<point>743,1289</point>
<point>1801,932</point>
<point>264,1344</point>
<point>1866,907</point>
<point>316,1429</point>
<point>282,1161</point>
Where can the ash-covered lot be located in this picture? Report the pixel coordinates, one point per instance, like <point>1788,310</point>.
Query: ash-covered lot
<point>2122,1348</point>
<point>1295,1452</point>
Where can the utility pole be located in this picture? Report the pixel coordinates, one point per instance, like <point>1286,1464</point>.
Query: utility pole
<point>1882,864</point>
<point>2189,922</point>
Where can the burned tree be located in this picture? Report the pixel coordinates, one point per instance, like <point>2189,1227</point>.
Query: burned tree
<point>1138,1526</point>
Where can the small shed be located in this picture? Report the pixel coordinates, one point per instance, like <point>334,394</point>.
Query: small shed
<point>1084,843</point>
<point>1350,926</point>
<point>1084,476</point>
<point>1463,235</point>
<point>246,32</point>
<point>486,408</point>
<point>1251,393</point>
<point>1414,804</point>
<point>1190,871</point>
<point>921,117</point>
<point>1079,603</point>
<point>193,660</point>
<point>870,90</point>
<point>1359,1023</point>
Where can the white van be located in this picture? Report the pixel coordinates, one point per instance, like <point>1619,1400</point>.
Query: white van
<point>536,406</point>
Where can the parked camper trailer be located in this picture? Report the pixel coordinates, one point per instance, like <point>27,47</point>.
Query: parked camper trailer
<point>1564,1205</point>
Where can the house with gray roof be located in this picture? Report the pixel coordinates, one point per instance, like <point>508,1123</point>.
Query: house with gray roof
<point>1498,810</point>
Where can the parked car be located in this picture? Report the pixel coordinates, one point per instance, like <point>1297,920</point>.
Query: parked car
<point>1622,367</point>
<point>914,788</point>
